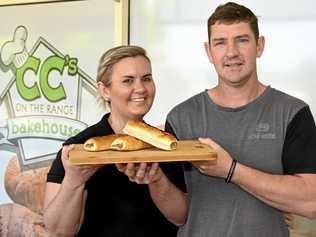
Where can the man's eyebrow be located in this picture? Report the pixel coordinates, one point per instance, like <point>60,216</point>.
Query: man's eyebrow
<point>218,39</point>
<point>242,36</point>
<point>236,37</point>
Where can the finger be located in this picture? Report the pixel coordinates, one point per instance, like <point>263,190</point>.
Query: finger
<point>71,147</point>
<point>141,171</point>
<point>153,170</point>
<point>65,151</point>
<point>199,163</point>
<point>121,167</point>
<point>209,142</point>
<point>130,170</point>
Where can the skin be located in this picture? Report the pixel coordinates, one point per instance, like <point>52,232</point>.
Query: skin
<point>131,94</point>
<point>132,90</point>
<point>233,50</point>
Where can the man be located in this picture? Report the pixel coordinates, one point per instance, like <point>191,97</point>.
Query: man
<point>265,140</point>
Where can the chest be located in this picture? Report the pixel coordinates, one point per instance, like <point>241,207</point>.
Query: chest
<point>254,139</point>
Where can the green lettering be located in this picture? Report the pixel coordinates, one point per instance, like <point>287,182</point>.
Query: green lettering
<point>75,132</point>
<point>52,63</point>
<point>32,92</point>
<point>72,67</point>
<point>23,128</point>
<point>15,128</point>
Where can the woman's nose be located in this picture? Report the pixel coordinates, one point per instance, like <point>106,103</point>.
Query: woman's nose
<point>139,86</point>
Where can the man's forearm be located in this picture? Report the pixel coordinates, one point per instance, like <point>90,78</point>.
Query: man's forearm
<point>170,200</point>
<point>289,193</point>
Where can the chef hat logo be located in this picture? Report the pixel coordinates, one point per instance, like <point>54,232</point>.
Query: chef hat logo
<point>15,51</point>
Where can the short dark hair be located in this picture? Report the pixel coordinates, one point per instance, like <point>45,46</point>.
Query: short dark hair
<point>230,13</point>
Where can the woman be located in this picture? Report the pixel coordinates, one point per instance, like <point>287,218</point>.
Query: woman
<point>100,200</point>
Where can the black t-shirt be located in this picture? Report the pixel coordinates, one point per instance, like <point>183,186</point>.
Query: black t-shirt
<point>115,206</point>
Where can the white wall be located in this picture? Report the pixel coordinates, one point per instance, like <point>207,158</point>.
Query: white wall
<point>81,29</point>
<point>173,33</point>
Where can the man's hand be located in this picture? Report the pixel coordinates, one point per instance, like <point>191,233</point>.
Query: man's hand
<point>143,173</point>
<point>222,165</point>
<point>76,175</point>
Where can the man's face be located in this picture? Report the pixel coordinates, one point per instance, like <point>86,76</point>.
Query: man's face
<point>233,51</point>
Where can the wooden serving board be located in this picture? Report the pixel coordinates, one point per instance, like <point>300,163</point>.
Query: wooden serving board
<point>190,150</point>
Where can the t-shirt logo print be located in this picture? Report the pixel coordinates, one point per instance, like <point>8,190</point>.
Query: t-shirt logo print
<point>262,132</point>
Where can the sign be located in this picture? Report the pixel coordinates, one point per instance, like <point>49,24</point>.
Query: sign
<point>42,90</point>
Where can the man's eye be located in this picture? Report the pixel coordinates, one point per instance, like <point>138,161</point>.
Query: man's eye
<point>218,43</point>
<point>243,40</point>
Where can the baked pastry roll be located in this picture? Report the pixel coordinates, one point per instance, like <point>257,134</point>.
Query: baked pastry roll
<point>151,135</point>
<point>119,142</point>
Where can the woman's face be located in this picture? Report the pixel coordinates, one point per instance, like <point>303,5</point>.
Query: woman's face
<point>132,89</point>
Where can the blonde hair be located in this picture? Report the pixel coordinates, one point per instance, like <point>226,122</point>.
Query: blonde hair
<point>113,56</point>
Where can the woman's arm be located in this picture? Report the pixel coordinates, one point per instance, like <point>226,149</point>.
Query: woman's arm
<point>63,208</point>
<point>170,200</point>
<point>64,203</point>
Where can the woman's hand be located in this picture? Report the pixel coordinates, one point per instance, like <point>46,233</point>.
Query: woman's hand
<point>143,173</point>
<point>76,175</point>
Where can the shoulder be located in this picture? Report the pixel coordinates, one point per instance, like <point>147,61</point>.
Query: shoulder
<point>285,103</point>
<point>191,105</point>
<point>284,99</point>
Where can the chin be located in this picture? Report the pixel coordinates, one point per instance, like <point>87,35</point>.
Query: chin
<point>138,114</point>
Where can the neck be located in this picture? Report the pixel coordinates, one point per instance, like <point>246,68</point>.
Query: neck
<point>118,122</point>
<point>233,97</point>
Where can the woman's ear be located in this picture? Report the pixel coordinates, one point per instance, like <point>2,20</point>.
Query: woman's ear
<point>103,91</point>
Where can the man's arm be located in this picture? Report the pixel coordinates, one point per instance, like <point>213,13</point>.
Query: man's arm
<point>290,193</point>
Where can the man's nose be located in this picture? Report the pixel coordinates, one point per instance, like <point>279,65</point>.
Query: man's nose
<point>232,50</point>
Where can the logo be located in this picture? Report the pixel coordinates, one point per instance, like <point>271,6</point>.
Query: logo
<point>41,91</point>
<point>262,132</point>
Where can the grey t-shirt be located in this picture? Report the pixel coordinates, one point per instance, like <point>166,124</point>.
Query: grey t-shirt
<point>254,135</point>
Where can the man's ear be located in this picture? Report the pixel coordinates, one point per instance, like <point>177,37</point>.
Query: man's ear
<point>103,91</point>
<point>208,52</point>
<point>260,46</point>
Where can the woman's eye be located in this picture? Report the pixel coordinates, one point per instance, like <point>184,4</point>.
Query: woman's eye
<point>147,79</point>
<point>128,81</point>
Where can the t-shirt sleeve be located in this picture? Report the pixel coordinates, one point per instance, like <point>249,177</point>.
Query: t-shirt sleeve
<point>57,172</point>
<point>174,170</point>
<point>299,148</point>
